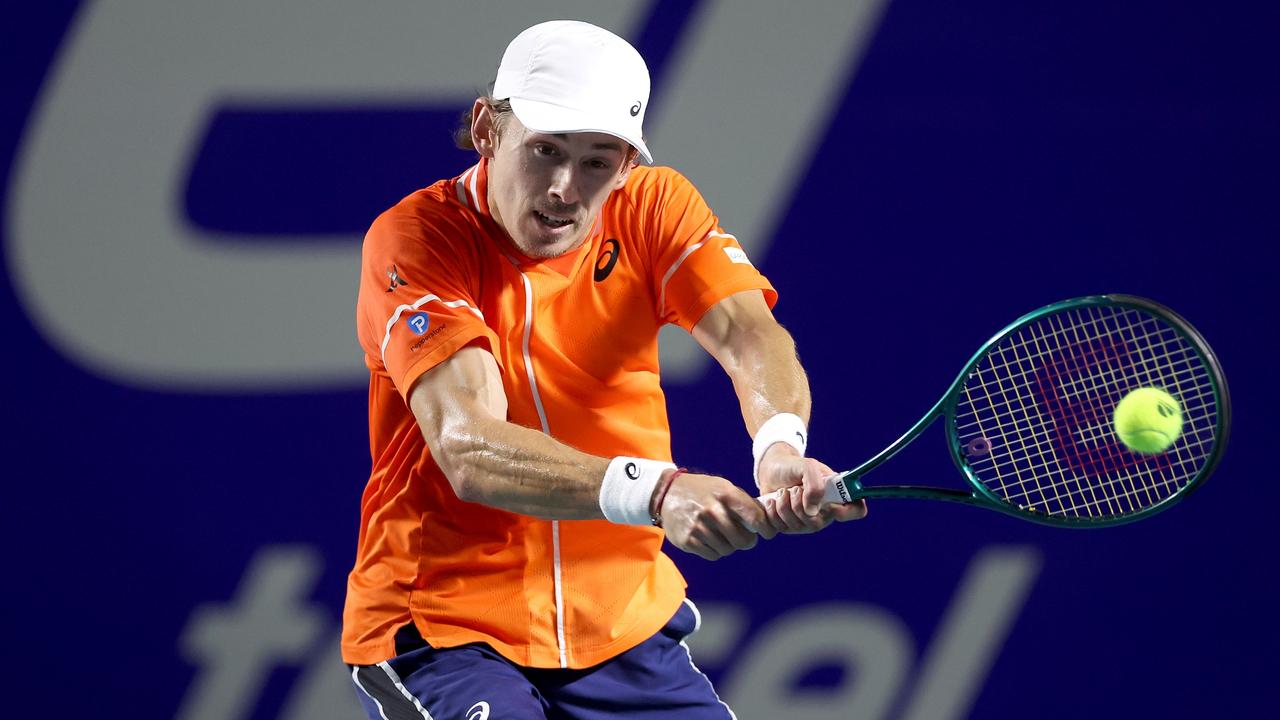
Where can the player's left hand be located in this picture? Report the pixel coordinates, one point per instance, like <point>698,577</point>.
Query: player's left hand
<point>803,481</point>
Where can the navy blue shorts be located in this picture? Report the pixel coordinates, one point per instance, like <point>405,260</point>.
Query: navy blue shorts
<point>656,679</point>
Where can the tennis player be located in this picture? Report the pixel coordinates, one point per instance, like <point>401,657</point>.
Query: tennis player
<point>509,560</point>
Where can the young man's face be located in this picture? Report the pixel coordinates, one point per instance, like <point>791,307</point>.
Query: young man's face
<point>546,191</point>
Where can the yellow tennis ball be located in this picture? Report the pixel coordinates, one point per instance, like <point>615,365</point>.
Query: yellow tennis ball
<point>1148,420</point>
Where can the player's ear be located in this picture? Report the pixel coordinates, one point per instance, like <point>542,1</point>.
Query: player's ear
<point>627,164</point>
<point>484,128</point>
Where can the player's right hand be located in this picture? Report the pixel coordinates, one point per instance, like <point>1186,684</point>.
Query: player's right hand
<point>793,488</point>
<point>711,517</point>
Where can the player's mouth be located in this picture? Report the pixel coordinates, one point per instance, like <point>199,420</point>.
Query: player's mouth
<point>552,222</point>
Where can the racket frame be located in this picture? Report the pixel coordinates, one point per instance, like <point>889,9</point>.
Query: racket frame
<point>847,486</point>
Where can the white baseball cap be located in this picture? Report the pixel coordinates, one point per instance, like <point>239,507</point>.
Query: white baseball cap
<point>566,76</point>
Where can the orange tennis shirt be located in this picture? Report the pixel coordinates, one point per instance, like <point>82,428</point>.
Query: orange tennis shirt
<point>575,338</point>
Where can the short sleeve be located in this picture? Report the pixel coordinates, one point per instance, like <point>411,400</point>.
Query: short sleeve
<point>697,263</point>
<point>418,300</point>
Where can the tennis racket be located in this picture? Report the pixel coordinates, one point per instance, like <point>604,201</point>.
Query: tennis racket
<point>1029,421</point>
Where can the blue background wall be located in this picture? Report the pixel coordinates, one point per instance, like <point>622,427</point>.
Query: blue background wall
<point>982,159</point>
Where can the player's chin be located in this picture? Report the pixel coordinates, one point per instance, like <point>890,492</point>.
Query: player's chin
<point>540,244</point>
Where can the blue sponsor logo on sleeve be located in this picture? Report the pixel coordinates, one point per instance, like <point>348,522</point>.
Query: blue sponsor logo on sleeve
<point>418,322</point>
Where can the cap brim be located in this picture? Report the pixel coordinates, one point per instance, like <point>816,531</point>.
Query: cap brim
<point>547,118</point>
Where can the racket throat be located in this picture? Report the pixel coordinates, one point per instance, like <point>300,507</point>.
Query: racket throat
<point>846,487</point>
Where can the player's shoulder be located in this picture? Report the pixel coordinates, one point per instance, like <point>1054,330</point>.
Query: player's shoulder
<point>657,201</point>
<point>653,195</point>
<point>429,219</point>
<point>655,181</point>
<point>423,210</point>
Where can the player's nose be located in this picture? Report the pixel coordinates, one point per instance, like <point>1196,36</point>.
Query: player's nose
<point>564,183</point>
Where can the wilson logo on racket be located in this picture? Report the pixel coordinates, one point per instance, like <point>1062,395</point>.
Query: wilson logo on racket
<point>1068,388</point>
<point>841,489</point>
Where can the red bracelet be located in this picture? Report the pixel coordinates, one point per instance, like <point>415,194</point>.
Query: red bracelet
<point>656,515</point>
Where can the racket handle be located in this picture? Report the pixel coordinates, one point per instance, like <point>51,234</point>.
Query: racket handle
<point>840,489</point>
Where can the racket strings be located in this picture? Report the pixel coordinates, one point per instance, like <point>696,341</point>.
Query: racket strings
<point>1044,397</point>
<point>1155,370</point>
<point>1173,350</point>
<point>1123,495</point>
<point>1041,441</point>
<point>1126,492</point>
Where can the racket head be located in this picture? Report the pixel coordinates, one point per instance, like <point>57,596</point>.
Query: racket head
<point>1030,419</point>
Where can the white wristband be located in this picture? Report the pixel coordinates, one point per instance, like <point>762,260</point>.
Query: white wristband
<point>781,428</point>
<point>628,488</point>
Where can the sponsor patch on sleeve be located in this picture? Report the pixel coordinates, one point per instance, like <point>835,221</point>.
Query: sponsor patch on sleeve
<point>737,255</point>
<point>418,322</point>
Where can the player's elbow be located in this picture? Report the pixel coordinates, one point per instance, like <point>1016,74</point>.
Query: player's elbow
<point>459,455</point>
<point>467,486</point>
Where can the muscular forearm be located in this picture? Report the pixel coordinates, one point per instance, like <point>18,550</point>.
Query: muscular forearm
<point>461,410</point>
<point>503,465</point>
<point>759,356</point>
<point>514,468</point>
<point>767,376</point>
<point>770,382</point>
<point>772,387</point>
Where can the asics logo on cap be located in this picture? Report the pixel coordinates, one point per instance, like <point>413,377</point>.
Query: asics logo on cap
<point>635,109</point>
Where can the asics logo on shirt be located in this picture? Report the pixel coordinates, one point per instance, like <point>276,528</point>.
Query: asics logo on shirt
<point>608,258</point>
<point>479,711</point>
